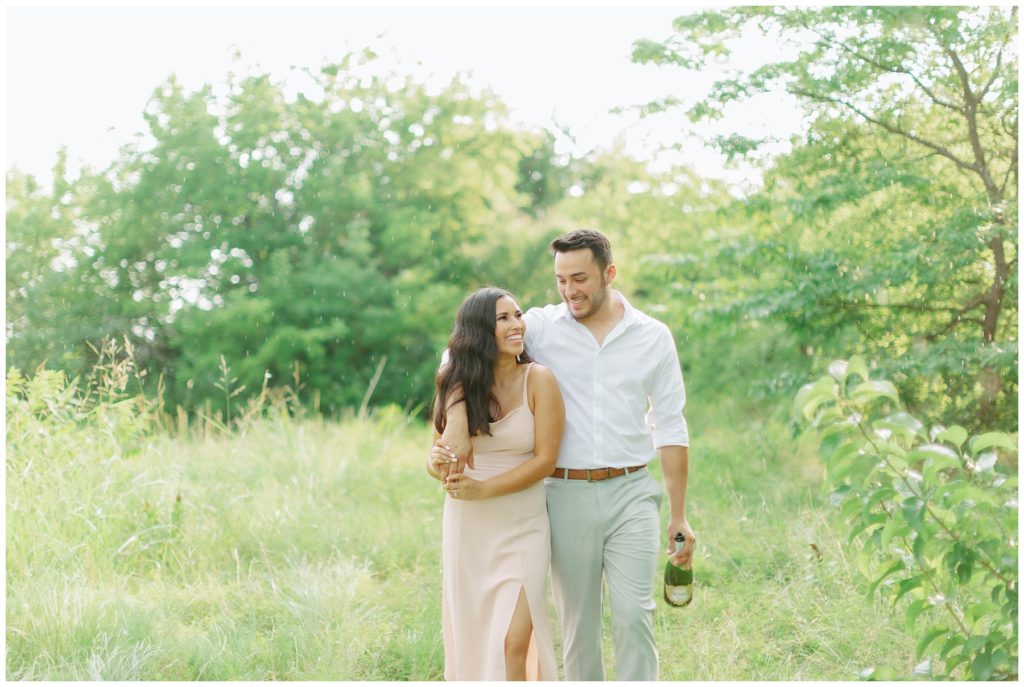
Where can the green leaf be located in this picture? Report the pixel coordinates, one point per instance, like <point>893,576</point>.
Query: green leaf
<point>934,451</point>
<point>870,390</point>
<point>888,448</point>
<point>979,611</point>
<point>953,661</point>
<point>850,508</point>
<point>985,462</point>
<point>984,441</point>
<point>935,457</point>
<point>953,640</point>
<point>864,561</point>
<point>907,585</point>
<point>974,643</point>
<point>947,517</point>
<point>813,396</point>
<point>841,454</point>
<point>955,435</point>
<point>843,461</point>
<point>895,567</point>
<point>927,639</point>
<point>877,495</point>
<point>839,495</point>
<point>960,491</point>
<point>857,366</point>
<point>904,424</point>
<point>867,524</point>
<point>981,667</point>
<point>913,509</point>
<point>914,610</point>
<point>918,549</point>
<point>963,571</point>
<point>892,528</point>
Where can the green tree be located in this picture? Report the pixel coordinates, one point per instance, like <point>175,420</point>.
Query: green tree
<point>325,231</point>
<point>892,223</point>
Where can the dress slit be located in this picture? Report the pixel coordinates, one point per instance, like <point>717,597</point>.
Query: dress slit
<point>532,666</point>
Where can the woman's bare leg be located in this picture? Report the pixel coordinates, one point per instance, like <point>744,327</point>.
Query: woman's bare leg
<point>517,641</point>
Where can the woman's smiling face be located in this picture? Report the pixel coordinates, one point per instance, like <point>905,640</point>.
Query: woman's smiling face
<point>509,326</point>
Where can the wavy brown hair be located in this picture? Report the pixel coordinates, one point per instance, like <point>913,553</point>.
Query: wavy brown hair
<point>472,351</point>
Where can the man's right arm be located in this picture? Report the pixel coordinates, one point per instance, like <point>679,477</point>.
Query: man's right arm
<point>455,437</point>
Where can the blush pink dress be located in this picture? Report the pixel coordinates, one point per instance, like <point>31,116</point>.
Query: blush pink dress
<point>492,549</point>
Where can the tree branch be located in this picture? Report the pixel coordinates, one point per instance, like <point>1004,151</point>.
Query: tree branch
<point>999,58</point>
<point>1011,169</point>
<point>956,313</point>
<point>995,73</point>
<point>914,307</point>
<point>941,150</point>
<point>971,115</point>
<point>962,74</point>
<point>887,68</point>
<point>951,325</point>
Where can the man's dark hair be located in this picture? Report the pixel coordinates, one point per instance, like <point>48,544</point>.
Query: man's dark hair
<point>585,238</point>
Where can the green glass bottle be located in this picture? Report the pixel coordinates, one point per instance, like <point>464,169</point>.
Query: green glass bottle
<point>678,581</point>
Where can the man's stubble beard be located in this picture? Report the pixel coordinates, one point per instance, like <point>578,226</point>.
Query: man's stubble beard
<point>596,301</point>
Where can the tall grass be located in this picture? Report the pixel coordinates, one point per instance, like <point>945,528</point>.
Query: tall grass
<point>278,545</point>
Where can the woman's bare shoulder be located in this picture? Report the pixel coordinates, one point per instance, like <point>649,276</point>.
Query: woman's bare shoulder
<point>543,377</point>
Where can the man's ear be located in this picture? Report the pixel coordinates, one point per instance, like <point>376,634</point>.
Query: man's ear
<point>610,273</point>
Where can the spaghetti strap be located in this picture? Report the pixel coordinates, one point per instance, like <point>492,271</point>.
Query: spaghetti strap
<point>526,380</point>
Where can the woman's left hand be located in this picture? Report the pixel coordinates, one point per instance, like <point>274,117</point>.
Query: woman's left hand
<point>464,488</point>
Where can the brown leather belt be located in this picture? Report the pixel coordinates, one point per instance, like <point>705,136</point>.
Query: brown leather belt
<point>595,474</point>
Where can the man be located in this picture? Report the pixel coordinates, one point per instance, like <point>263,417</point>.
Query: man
<point>624,396</point>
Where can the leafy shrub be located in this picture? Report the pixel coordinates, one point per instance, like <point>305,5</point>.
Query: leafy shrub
<point>933,513</point>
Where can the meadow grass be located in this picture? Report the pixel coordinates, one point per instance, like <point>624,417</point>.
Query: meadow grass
<point>307,549</point>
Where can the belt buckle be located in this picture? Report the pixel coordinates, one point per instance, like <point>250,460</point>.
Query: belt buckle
<point>588,475</point>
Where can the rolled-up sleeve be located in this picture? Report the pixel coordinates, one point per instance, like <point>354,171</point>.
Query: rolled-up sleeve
<point>668,397</point>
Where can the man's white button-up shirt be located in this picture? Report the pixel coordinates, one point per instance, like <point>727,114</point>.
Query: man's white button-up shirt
<point>622,399</point>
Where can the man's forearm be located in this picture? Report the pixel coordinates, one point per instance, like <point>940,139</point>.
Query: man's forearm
<point>456,420</point>
<point>456,435</point>
<point>675,466</point>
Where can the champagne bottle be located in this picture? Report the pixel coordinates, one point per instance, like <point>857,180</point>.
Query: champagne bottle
<point>678,581</point>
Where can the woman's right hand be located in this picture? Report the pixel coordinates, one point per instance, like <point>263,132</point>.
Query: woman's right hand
<point>442,458</point>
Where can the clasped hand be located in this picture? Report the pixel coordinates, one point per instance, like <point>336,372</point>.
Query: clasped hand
<point>453,480</point>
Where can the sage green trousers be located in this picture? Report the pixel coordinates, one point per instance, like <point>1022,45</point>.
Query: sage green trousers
<point>607,531</point>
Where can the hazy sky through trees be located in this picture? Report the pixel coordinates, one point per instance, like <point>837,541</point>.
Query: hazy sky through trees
<point>81,76</point>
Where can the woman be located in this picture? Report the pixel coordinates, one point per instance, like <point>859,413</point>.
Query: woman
<point>496,541</point>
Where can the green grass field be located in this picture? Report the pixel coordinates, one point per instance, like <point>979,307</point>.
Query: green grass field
<point>305,549</point>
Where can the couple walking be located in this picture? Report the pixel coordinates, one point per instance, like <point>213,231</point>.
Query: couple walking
<point>545,422</point>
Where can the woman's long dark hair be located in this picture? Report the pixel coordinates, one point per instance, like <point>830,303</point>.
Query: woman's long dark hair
<point>472,350</point>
